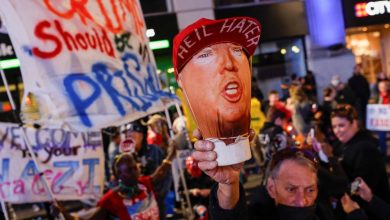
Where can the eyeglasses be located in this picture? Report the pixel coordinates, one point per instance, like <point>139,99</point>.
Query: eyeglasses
<point>293,153</point>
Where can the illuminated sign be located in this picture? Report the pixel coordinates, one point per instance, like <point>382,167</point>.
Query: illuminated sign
<point>6,50</point>
<point>364,9</point>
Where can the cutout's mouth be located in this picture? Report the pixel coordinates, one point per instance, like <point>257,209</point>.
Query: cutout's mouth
<point>127,146</point>
<point>232,92</point>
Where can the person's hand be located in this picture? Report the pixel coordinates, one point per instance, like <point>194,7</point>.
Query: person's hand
<point>204,192</point>
<point>227,176</point>
<point>348,204</point>
<point>206,157</point>
<point>364,190</point>
<point>195,192</point>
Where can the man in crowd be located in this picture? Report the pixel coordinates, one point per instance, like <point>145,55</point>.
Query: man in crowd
<point>292,186</point>
<point>359,85</point>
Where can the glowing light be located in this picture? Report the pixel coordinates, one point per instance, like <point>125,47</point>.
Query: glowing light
<point>150,33</point>
<point>365,9</point>
<point>171,70</point>
<point>160,44</point>
<point>283,51</point>
<point>360,10</point>
<point>8,64</point>
<point>295,49</point>
<point>387,25</point>
<point>377,8</point>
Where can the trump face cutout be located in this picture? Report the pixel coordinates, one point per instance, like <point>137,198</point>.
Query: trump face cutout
<point>217,82</point>
<point>211,62</point>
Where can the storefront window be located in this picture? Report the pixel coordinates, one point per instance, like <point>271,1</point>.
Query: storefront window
<point>275,62</point>
<point>366,47</point>
<point>280,59</point>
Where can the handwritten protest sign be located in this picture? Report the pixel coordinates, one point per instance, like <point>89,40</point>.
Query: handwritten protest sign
<point>378,117</point>
<point>72,162</point>
<point>86,63</point>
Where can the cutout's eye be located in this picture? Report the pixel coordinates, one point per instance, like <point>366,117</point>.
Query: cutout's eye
<point>204,53</point>
<point>205,56</point>
<point>237,50</point>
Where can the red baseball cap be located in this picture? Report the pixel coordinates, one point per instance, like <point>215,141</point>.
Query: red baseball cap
<point>244,31</point>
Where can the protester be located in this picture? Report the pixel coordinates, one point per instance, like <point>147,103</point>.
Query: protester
<point>290,193</point>
<point>158,132</point>
<point>332,179</point>
<point>359,151</point>
<point>344,94</point>
<point>132,197</point>
<point>273,98</point>
<point>384,99</point>
<point>300,106</point>
<point>198,185</point>
<point>292,186</point>
<point>361,88</point>
<point>310,86</point>
<point>323,117</point>
<point>149,157</point>
<point>272,136</point>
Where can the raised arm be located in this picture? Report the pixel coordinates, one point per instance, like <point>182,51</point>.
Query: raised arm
<point>165,166</point>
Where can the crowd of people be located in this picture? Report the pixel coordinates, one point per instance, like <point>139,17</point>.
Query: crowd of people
<point>316,159</point>
<point>333,137</point>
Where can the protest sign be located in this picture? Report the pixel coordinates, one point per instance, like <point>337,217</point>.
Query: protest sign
<point>85,63</point>
<point>72,163</point>
<point>378,117</point>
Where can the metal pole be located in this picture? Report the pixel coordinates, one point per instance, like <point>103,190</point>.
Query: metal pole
<point>183,180</point>
<point>48,189</point>
<point>11,100</point>
<point>4,208</point>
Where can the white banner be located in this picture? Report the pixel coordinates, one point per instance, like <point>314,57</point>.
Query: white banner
<point>378,117</point>
<point>72,162</point>
<point>86,63</point>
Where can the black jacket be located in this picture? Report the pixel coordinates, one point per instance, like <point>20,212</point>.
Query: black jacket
<point>361,157</point>
<point>360,87</point>
<point>264,209</point>
<point>378,208</point>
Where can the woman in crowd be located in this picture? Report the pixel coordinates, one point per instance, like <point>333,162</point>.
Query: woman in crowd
<point>359,152</point>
